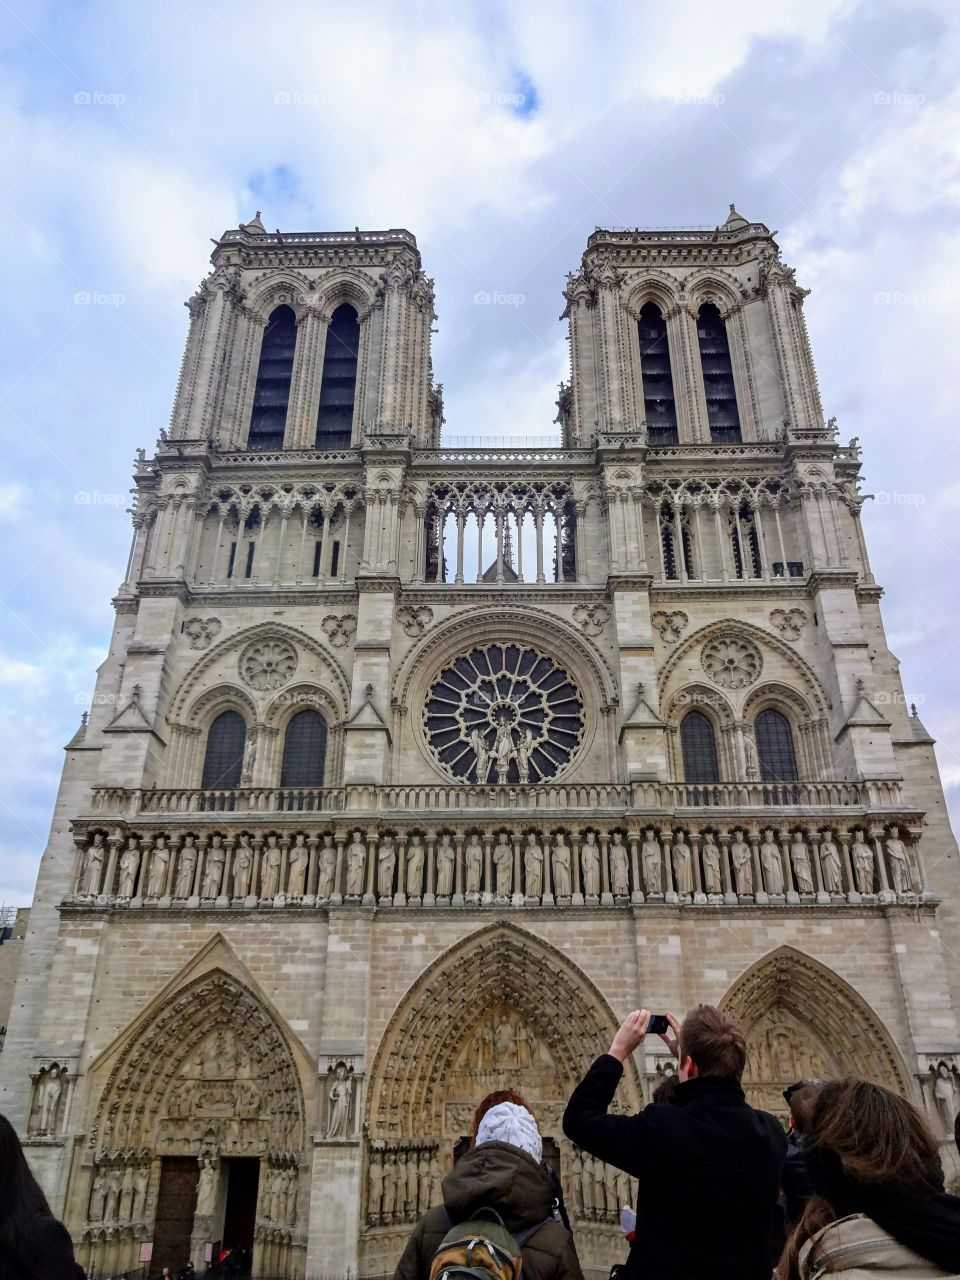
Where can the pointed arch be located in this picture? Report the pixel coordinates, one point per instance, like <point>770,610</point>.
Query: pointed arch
<point>498,965</point>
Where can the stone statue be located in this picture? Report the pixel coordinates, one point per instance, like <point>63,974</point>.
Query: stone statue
<point>560,864</point>
<point>290,1205</point>
<point>126,1194</point>
<point>114,1183</point>
<point>503,751</point>
<point>742,869</point>
<point>141,1179</point>
<point>186,869</point>
<point>473,856</point>
<point>533,867</point>
<point>619,867</point>
<point>482,752</point>
<point>328,869</point>
<point>712,880</point>
<point>374,1188</point>
<point>899,864</point>
<point>590,865</point>
<point>415,856</point>
<point>436,1178</point>
<point>652,861</point>
<point>389,1187</point>
<point>586,1185</point>
<point>861,856</point>
<point>445,861</point>
<point>771,863</point>
<point>413,1185</point>
<point>800,859</point>
<point>339,1097</point>
<point>945,1097</point>
<point>93,866</point>
<point>386,866</point>
<point>599,1187</point>
<point>503,861</point>
<point>297,873</point>
<point>682,866</point>
<point>242,867</point>
<point>49,1093</point>
<point>98,1197</point>
<point>524,750</point>
<point>269,870</point>
<point>830,864</point>
<point>213,868</point>
<point>129,866</point>
<point>356,865</point>
<point>576,1182</point>
<point>159,865</point>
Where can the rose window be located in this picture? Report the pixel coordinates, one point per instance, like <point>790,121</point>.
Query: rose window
<point>504,713</point>
<point>731,661</point>
<point>268,664</point>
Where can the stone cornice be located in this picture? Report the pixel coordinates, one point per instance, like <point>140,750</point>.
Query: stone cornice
<point>827,579</point>
<point>519,594</point>
<point>737,589</point>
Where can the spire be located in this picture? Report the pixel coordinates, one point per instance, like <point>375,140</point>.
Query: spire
<point>255,227</point>
<point>735,221</point>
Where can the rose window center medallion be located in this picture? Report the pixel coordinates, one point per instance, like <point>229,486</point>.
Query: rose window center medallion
<point>731,661</point>
<point>504,713</point>
<point>268,664</point>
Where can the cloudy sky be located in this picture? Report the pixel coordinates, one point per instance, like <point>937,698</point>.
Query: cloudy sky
<point>501,134</point>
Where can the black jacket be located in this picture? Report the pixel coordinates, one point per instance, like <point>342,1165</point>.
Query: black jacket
<point>796,1182</point>
<point>708,1166</point>
<point>497,1176</point>
<point>46,1253</point>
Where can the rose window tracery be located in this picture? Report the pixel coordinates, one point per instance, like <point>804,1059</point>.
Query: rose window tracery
<point>504,713</point>
<point>268,664</point>
<point>731,661</point>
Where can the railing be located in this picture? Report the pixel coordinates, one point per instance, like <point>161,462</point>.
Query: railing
<point>731,797</point>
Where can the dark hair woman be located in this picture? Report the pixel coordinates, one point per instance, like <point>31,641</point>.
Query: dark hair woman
<point>33,1244</point>
<point>878,1205</point>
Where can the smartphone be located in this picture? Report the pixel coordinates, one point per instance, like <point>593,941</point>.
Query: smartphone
<point>658,1024</point>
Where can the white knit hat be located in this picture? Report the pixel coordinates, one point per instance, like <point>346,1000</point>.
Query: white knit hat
<point>506,1122</point>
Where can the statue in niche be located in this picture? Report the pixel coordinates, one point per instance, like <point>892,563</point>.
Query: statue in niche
<point>619,867</point>
<point>297,873</point>
<point>830,864</point>
<point>533,867</point>
<point>386,867</point>
<point>861,856</point>
<point>374,1188</point>
<point>682,866</point>
<point>560,864</point>
<point>159,865</point>
<point>436,1178</point>
<point>126,1195</point>
<point>340,1098</point>
<point>473,857</point>
<point>269,869</point>
<point>590,865</point>
<point>503,861</point>
<point>800,859</point>
<point>423,1194</point>
<point>742,869</point>
<point>389,1186</point>
<point>291,1198</point>
<point>356,865</point>
<point>328,869</point>
<point>503,751</point>
<point>242,868</point>
<point>575,1182</point>
<point>712,880</point>
<point>945,1096</point>
<point>445,864</point>
<point>413,1184</point>
<point>505,1039</point>
<point>141,1179</point>
<point>114,1183</point>
<point>415,856</point>
<point>524,750</point>
<point>771,863</point>
<point>129,866</point>
<point>186,869</point>
<point>49,1093</point>
<point>213,868</point>
<point>586,1185</point>
<point>652,862</point>
<point>899,863</point>
<point>98,1197</point>
<point>482,752</point>
<point>599,1187</point>
<point>93,866</point>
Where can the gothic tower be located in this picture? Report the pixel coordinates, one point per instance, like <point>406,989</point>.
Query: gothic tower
<point>412,769</point>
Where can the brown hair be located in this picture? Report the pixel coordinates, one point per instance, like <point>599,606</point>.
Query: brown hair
<point>714,1042</point>
<point>881,1140</point>
<point>493,1100</point>
<point>801,1103</point>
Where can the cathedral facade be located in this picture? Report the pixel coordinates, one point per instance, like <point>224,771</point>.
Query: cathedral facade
<point>413,769</point>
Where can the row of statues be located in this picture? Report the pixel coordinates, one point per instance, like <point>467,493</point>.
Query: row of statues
<point>402,1184</point>
<point>596,1190</point>
<point>503,866</point>
<point>277,1197</point>
<point>119,1195</point>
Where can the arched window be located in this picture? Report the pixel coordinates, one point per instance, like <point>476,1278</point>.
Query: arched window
<point>338,386</point>
<point>668,541</point>
<point>272,393</point>
<point>699,748</point>
<point>722,412</point>
<point>304,750</point>
<point>778,760</point>
<point>745,543</point>
<point>223,762</point>
<point>659,406</point>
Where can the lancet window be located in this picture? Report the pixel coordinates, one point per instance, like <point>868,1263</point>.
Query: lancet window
<point>223,759</point>
<point>659,404</point>
<point>722,414</point>
<point>272,392</point>
<point>338,386</point>
<point>304,750</point>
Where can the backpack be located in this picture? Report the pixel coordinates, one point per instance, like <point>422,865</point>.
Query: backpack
<point>481,1248</point>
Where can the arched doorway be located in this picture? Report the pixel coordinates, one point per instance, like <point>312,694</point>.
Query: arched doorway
<point>802,1021</point>
<point>198,1136</point>
<point>501,1010</point>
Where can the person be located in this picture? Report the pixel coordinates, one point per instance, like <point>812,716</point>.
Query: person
<point>877,1206</point>
<point>187,1273</point>
<point>708,1165</point>
<point>795,1183</point>
<point>503,1171</point>
<point>34,1245</point>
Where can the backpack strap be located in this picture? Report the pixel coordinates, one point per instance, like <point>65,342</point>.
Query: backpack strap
<point>522,1237</point>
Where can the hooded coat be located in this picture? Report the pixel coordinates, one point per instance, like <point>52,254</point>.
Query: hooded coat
<point>501,1177</point>
<point>857,1249</point>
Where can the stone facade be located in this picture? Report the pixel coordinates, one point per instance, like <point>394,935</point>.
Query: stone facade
<point>412,770</point>
<point>11,949</point>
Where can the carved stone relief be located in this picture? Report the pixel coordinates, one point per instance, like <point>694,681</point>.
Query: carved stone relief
<point>415,620</point>
<point>591,618</point>
<point>267,664</point>
<point>670,625</point>
<point>789,622</point>
<point>339,630</point>
<point>731,661</point>
<point>201,632</point>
